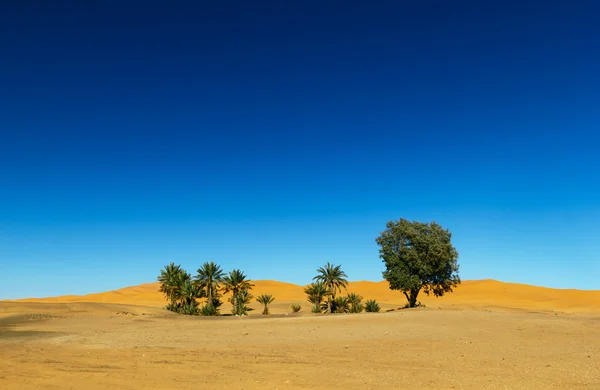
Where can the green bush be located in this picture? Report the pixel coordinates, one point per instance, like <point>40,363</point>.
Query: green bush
<point>372,306</point>
<point>296,308</point>
<point>174,307</point>
<point>209,310</point>
<point>340,305</point>
<point>316,292</point>
<point>242,299</point>
<point>190,309</point>
<point>265,300</point>
<point>355,302</point>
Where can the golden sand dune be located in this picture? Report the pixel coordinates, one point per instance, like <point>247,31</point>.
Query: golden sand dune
<point>471,293</point>
<point>470,339</point>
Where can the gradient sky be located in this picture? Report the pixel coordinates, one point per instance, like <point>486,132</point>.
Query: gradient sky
<point>277,136</point>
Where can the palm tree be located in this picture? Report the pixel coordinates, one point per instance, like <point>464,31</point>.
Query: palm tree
<point>265,300</point>
<point>334,279</point>
<point>208,278</point>
<point>168,281</point>
<point>243,298</point>
<point>188,294</point>
<point>236,282</point>
<point>316,292</point>
<point>178,282</point>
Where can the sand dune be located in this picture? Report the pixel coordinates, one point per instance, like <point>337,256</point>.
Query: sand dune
<point>487,334</point>
<point>472,293</point>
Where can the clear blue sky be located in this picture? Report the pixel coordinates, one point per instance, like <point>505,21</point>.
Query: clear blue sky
<point>277,137</point>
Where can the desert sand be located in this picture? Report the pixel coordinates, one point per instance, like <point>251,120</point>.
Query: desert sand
<point>486,334</point>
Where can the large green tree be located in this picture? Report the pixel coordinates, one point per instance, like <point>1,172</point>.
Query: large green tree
<point>334,280</point>
<point>418,256</point>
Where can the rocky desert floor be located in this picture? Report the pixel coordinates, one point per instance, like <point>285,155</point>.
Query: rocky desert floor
<point>99,345</point>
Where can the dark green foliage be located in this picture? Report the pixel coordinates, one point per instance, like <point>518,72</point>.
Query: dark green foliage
<point>341,305</point>
<point>168,279</point>
<point>175,307</point>
<point>179,289</point>
<point>371,306</point>
<point>189,292</point>
<point>316,292</point>
<point>190,309</point>
<point>240,303</point>
<point>418,256</point>
<point>265,300</point>
<point>334,280</point>
<point>236,283</point>
<point>213,306</point>
<point>355,303</point>
<point>209,310</point>
<point>183,292</point>
<point>208,278</point>
<point>296,308</point>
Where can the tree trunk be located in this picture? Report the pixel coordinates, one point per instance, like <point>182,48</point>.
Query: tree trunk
<point>412,298</point>
<point>234,303</point>
<point>412,302</point>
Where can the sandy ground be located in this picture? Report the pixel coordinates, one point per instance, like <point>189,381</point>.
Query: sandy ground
<point>462,342</point>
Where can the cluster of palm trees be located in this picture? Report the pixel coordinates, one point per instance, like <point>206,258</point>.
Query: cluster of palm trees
<point>184,291</point>
<point>323,293</point>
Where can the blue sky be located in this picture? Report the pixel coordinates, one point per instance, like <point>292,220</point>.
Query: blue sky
<point>277,137</point>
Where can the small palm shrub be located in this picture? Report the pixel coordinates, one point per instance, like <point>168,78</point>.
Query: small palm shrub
<point>213,306</point>
<point>242,299</point>
<point>316,293</point>
<point>372,306</point>
<point>296,308</point>
<point>340,305</point>
<point>175,307</point>
<point>190,309</point>
<point>236,283</point>
<point>265,300</point>
<point>209,310</point>
<point>355,302</point>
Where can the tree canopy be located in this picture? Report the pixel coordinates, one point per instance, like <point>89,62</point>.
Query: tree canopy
<point>418,256</point>
<point>208,278</point>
